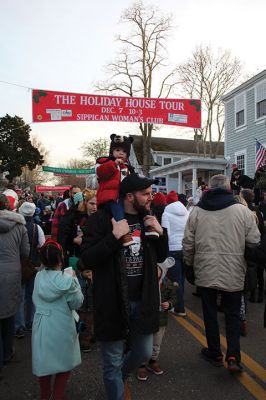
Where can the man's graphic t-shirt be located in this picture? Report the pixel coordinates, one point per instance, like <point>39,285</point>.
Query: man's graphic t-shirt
<point>134,259</point>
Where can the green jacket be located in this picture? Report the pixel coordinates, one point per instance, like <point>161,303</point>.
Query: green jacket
<point>168,293</point>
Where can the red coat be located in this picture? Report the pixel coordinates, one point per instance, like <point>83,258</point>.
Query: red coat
<point>109,178</point>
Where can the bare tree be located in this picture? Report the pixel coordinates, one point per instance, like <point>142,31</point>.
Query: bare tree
<point>30,178</point>
<point>137,70</point>
<point>74,179</point>
<point>95,148</point>
<point>208,76</point>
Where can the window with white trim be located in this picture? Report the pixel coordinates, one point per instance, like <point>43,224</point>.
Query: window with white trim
<point>167,160</point>
<point>240,110</point>
<point>261,100</point>
<point>163,160</point>
<point>240,162</point>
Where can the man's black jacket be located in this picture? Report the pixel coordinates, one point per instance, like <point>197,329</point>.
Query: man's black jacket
<point>101,252</point>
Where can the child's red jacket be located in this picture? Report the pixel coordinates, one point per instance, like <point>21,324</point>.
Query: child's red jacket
<point>109,178</point>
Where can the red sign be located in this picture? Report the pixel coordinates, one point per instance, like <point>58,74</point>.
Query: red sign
<point>70,175</point>
<point>59,189</point>
<point>50,106</point>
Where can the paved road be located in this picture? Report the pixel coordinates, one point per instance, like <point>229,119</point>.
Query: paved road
<point>186,375</point>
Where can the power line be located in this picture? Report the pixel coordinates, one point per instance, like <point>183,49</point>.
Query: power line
<point>15,84</point>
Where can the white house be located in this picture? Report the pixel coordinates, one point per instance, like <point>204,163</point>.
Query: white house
<point>178,164</point>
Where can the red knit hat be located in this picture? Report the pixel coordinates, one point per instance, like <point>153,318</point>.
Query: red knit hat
<point>12,201</point>
<point>159,199</point>
<point>171,197</point>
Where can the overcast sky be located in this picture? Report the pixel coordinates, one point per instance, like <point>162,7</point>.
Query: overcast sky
<point>63,45</point>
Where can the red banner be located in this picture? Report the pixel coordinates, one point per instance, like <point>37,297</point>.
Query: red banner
<point>59,189</point>
<point>48,106</point>
<point>70,175</point>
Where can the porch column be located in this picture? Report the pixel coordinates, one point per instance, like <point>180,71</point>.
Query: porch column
<point>180,183</point>
<point>194,182</point>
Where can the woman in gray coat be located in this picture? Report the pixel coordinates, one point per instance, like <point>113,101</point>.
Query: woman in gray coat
<point>14,245</point>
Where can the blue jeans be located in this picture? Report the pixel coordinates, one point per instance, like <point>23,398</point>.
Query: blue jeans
<point>117,209</point>
<point>176,274</point>
<point>26,309</point>
<point>117,366</point>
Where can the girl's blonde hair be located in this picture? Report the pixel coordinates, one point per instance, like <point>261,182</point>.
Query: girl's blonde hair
<point>88,194</point>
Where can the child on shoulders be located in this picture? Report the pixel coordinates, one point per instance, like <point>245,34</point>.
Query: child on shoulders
<point>110,172</point>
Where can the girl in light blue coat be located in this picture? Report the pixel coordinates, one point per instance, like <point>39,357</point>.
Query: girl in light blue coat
<point>55,344</point>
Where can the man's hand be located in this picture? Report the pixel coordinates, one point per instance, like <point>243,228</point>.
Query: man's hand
<point>152,221</point>
<point>120,228</point>
<point>78,240</point>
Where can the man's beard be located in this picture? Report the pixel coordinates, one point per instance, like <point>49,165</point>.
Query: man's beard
<point>143,210</point>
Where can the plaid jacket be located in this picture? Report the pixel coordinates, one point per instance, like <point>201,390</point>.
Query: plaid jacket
<point>59,213</point>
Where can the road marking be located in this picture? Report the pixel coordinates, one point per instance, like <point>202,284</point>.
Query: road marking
<point>250,384</point>
<point>251,364</point>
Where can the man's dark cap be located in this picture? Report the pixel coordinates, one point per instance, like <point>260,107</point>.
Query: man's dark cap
<point>135,182</point>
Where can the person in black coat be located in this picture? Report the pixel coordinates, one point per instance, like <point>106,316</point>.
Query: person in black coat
<point>258,254</point>
<point>248,196</point>
<point>126,292</point>
<point>242,181</point>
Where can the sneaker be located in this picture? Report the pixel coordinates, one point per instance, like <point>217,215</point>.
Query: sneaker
<point>20,334</point>
<point>243,328</point>
<point>151,233</point>
<point>180,313</point>
<point>154,367</point>
<point>142,374</point>
<point>234,366</point>
<point>127,240</point>
<point>216,361</point>
<point>85,348</point>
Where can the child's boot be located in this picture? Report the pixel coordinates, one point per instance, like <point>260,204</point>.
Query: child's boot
<point>154,367</point>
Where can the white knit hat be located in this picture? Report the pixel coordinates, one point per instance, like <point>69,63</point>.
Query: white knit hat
<point>27,209</point>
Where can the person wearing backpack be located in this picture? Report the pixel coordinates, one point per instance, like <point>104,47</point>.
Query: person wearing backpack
<point>24,316</point>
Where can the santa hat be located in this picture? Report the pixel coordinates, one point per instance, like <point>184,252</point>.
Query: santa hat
<point>136,235</point>
<point>12,197</point>
<point>171,197</point>
<point>123,142</point>
<point>27,209</point>
<point>234,166</point>
<point>159,199</point>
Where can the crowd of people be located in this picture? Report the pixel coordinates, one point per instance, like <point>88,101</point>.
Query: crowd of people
<point>109,265</point>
